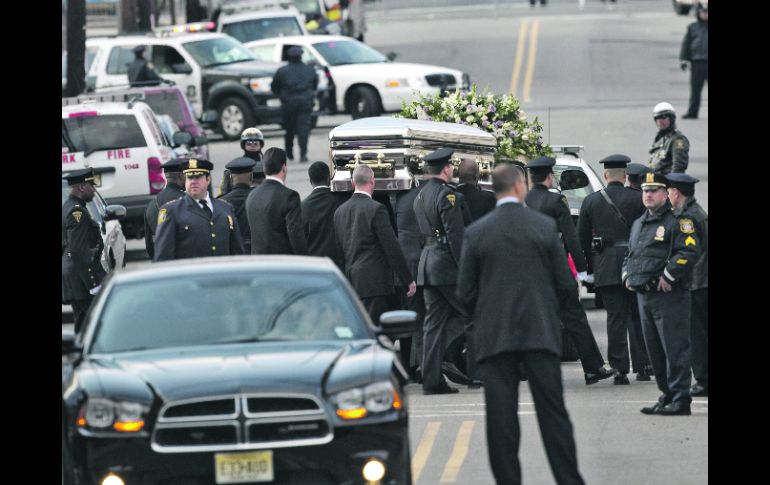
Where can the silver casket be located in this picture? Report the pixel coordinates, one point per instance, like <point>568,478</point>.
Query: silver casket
<point>394,147</point>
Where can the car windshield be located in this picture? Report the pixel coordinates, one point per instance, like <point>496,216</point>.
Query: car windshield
<point>105,132</point>
<point>166,103</point>
<point>339,52</point>
<point>574,197</point>
<point>256,29</point>
<point>208,309</point>
<point>219,51</point>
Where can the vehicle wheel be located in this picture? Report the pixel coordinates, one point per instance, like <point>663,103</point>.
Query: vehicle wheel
<point>364,102</point>
<point>67,472</point>
<point>234,116</point>
<point>681,9</point>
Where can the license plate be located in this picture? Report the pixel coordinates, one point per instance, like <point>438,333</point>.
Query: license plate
<point>98,179</point>
<point>274,103</point>
<point>254,466</point>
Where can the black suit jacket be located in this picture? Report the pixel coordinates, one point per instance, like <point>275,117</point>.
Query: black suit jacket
<point>237,198</point>
<point>409,236</point>
<point>318,223</point>
<point>542,200</point>
<point>480,202</point>
<point>598,219</point>
<point>369,246</point>
<point>275,220</point>
<point>513,274</point>
<point>186,231</point>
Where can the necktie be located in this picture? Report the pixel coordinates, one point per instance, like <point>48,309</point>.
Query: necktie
<point>206,208</point>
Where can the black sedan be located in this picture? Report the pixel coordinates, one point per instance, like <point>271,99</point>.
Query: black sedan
<point>234,370</point>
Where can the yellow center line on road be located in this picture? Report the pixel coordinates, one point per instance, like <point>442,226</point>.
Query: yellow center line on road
<point>459,452</point>
<point>519,55</point>
<point>423,449</point>
<point>531,60</point>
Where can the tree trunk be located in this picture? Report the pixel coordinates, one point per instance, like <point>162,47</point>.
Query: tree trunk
<point>76,47</point>
<point>128,13</point>
<point>144,11</point>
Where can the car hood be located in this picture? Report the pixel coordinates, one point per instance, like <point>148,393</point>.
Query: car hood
<point>245,68</point>
<point>391,70</point>
<point>240,368</point>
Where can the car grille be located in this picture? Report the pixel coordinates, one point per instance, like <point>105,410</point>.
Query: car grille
<point>241,422</point>
<point>440,79</point>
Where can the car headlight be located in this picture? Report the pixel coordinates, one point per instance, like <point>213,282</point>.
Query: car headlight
<point>101,414</point>
<point>359,402</point>
<point>260,85</point>
<point>417,82</point>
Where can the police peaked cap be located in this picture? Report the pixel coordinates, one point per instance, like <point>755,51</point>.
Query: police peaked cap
<point>654,179</point>
<point>241,165</point>
<point>294,52</point>
<point>636,169</point>
<point>174,165</point>
<point>79,176</point>
<point>541,165</point>
<point>685,183</point>
<point>615,161</point>
<point>194,166</point>
<point>439,157</point>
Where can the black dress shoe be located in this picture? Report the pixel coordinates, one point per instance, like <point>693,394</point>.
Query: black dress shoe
<point>689,116</point>
<point>644,375</point>
<point>699,391</point>
<point>677,408</point>
<point>445,389</point>
<point>453,373</point>
<point>654,409</point>
<point>475,384</point>
<point>600,374</point>
<point>303,159</point>
<point>621,380</point>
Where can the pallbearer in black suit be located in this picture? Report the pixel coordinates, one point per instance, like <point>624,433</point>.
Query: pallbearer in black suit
<point>81,246</point>
<point>604,225</point>
<point>439,214</point>
<point>241,172</point>
<point>369,246</point>
<point>196,225</point>
<point>274,211</point>
<point>318,214</point>
<point>173,190</point>
<point>478,201</point>
<point>514,275</point>
<point>571,311</point>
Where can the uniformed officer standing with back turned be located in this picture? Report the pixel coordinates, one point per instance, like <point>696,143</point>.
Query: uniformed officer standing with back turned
<point>440,217</point>
<point>604,225</point>
<point>141,72</point>
<point>173,190</point>
<point>196,225</point>
<point>296,83</point>
<point>662,251</point>
<point>241,171</point>
<point>81,246</point>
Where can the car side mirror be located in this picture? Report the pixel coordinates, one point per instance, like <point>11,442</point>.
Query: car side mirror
<point>573,179</point>
<point>69,343</point>
<point>209,116</point>
<point>398,324</point>
<point>181,68</point>
<point>200,140</point>
<point>182,138</point>
<point>391,56</point>
<point>114,212</point>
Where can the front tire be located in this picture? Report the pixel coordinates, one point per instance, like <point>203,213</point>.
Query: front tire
<point>364,103</point>
<point>234,116</point>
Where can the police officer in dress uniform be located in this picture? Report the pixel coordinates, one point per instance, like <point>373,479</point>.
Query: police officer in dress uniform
<point>173,190</point>
<point>141,72</point>
<point>241,171</point>
<point>81,246</point>
<point>681,193</point>
<point>296,83</point>
<point>440,217</point>
<point>662,250</point>
<point>252,142</point>
<point>670,150</point>
<point>604,225</point>
<point>572,315</point>
<point>196,226</point>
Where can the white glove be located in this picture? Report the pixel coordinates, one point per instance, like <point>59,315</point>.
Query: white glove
<point>95,289</point>
<point>585,278</point>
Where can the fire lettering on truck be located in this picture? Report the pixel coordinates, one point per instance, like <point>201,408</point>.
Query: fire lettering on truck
<point>122,153</point>
<point>68,158</point>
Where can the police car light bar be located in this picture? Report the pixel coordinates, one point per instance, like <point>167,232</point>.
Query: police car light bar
<point>238,6</point>
<point>569,149</point>
<point>192,27</point>
<point>113,97</point>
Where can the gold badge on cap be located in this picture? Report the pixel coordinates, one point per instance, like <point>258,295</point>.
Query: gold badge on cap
<point>660,233</point>
<point>193,163</point>
<point>77,215</point>
<point>650,178</point>
<point>230,220</point>
<point>451,198</point>
<point>161,216</point>
<point>686,226</point>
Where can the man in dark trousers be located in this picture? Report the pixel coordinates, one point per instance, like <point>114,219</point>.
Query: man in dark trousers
<point>695,54</point>
<point>274,211</point>
<point>196,226</point>
<point>81,246</point>
<point>173,190</point>
<point>369,246</point>
<point>141,72</point>
<point>241,171</point>
<point>478,201</point>
<point>662,251</point>
<point>681,193</point>
<point>318,215</point>
<point>296,85</point>
<point>572,315</point>
<point>514,275</point>
<point>604,225</point>
<point>439,215</point>
<point>252,142</point>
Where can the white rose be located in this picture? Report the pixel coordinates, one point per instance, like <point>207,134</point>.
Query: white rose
<point>469,119</point>
<point>484,118</point>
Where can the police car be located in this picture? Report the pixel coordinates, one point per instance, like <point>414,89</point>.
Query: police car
<point>122,141</point>
<point>259,19</point>
<point>576,179</point>
<point>214,70</point>
<point>366,83</point>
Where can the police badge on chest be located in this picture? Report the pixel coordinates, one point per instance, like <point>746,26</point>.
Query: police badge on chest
<point>660,233</point>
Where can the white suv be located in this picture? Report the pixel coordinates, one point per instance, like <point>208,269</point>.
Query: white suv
<point>124,144</point>
<point>246,21</point>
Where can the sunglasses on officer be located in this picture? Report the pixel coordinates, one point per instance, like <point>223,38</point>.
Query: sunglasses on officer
<point>253,142</point>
